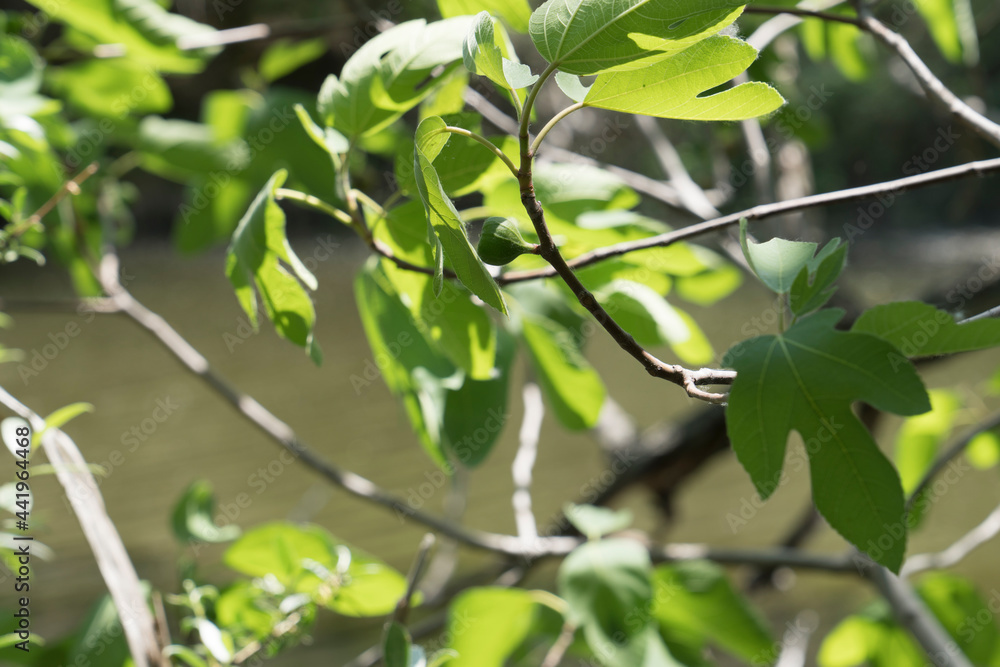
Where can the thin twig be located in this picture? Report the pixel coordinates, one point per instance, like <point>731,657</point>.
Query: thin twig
<point>413,578</point>
<point>692,195</point>
<point>70,187</point>
<point>933,85</point>
<point>283,434</point>
<point>113,561</point>
<point>945,459</point>
<point>524,461</point>
<point>975,538</point>
<point>803,13</point>
<point>913,615</point>
<point>561,645</point>
<point>980,168</point>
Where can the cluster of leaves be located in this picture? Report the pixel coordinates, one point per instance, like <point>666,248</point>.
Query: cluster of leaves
<point>807,377</point>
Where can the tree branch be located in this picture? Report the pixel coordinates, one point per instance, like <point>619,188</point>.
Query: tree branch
<point>980,168</point>
<point>975,538</point>
<point>283,434</point>
<point>113,561</point>
<point>933,85</point>
<point>913,615</point>
<point>534,411</point>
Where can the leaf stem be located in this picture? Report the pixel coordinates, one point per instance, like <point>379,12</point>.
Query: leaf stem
<point>461,131</point>
<point>314,203</point>
<point>370,203</point>
<point>552,123</point>
<point>530,102</point>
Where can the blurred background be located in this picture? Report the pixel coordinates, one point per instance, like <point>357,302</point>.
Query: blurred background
<point>854,117</point>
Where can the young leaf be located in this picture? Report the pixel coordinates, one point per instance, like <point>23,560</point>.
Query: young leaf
<point>399,349</point>
<point>984,450</point>
<point>591,36</point>
<point>396,646</point>
<point>696,600</point>
<point>921,330</point>
<point>670,88</point>
<point>476,411</point>
<point>776,262</point>
<point>285,56</point>
<point>391,74</point>
<point>258,247</point>
<point>192,516</point>
<point>443,220</point>
<point>487,625</point>
<point>573,388</point>
<point>596,522</point>
<point>813,286</point>
<point>297,555</point>
<point>606,585</point>
<point>806,379</point>
<point>482,56</point>
<point>453,324</point>
<point>572,86</point>
<point>515,13</point>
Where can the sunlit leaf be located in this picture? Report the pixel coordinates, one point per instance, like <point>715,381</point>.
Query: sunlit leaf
<point>515,13</point>
<point>257,258</point>
<point>596,522</point>
<point>671,88</point>
<point>482,56</point>
<point>591,36</point>
<point>572,387</point>
<point>285,56</point>
<point>192,518</point>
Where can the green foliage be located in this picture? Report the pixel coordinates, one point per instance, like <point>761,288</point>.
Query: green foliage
<point>596,522</point>
<point>695,604</point>
<point>671,87</point>
<point>590,36</point>
<point>308,560</point>
<point>921,330</point>
<point>806,379</point>
<point>445,228</point>
<point>490,626</point>
<point>515,13</point>
<point>192,516</point>
<point>255,259</point>
<point>482,55</point>
<point>607,589</point>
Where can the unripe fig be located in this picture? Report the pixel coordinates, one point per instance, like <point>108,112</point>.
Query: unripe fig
<point>501,242</point>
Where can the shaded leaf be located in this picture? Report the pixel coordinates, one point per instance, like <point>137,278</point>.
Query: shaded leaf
<point>596,522</point>
<point>921,330</point>
<point>778,261</point>
<point>192,516</point>
<point>806,379</point>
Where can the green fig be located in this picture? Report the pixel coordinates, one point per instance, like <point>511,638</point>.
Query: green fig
<point>501,242</point>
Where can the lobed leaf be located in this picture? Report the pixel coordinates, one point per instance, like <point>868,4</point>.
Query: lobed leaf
<point>920,330</point>
<point>671,87</point>
<point>593,36</point>
<point>806,379</point>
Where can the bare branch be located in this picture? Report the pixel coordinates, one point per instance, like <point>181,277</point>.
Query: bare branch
<point>113,561</point>
<point>283,434</point>
<point>975,538</point>
<point>980,168</point>
<point>691,194</point>
<point>913,615</point>
<point>933,85</point>
<point>524,462</point>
